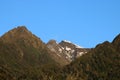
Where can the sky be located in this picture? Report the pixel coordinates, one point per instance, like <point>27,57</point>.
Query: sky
<point>83,22</point>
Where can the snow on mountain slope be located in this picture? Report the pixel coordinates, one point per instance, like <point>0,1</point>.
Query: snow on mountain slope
<point>66,49</point>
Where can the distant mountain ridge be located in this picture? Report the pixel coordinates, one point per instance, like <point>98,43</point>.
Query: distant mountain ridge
<point>22,40</point>
<point>65,50</point>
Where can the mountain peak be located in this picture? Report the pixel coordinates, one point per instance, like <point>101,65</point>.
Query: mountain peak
<point>21,28</point>
<point>70,43</point>
<point>16,33</point>
<point>66,41</point>
<point>22,34</point>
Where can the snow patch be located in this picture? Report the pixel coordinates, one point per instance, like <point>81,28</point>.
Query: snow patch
<point>68,49</point>
<point>60,50</point>
<point>80,54</point>
<point>66,41</point>
<point>77,46</point>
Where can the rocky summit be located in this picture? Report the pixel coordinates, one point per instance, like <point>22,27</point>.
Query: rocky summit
<point>66,49</point>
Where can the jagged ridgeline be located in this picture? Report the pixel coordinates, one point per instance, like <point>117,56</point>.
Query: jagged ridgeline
<point>24,56</point>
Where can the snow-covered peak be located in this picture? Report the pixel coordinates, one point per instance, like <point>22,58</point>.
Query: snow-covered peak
<point>77,46</point>
<point>67,41</point>
<point>66,49</point>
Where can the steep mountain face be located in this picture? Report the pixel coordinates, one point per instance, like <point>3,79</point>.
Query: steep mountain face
<point>21,34</point>
<point>101,63</point>
<point>22,44</point>
<point>54,48</point>
<point>66,49</point>
<point>22,54</point>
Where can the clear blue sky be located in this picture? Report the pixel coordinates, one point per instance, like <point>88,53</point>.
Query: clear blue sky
<point>84,22</point>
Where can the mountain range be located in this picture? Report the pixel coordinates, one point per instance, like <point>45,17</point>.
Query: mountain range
<point>24,56</point>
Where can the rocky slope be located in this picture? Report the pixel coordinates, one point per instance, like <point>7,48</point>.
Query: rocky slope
<point>66,49</point>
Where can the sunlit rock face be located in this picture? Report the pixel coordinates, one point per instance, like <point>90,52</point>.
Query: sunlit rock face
<point>67,49</point>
